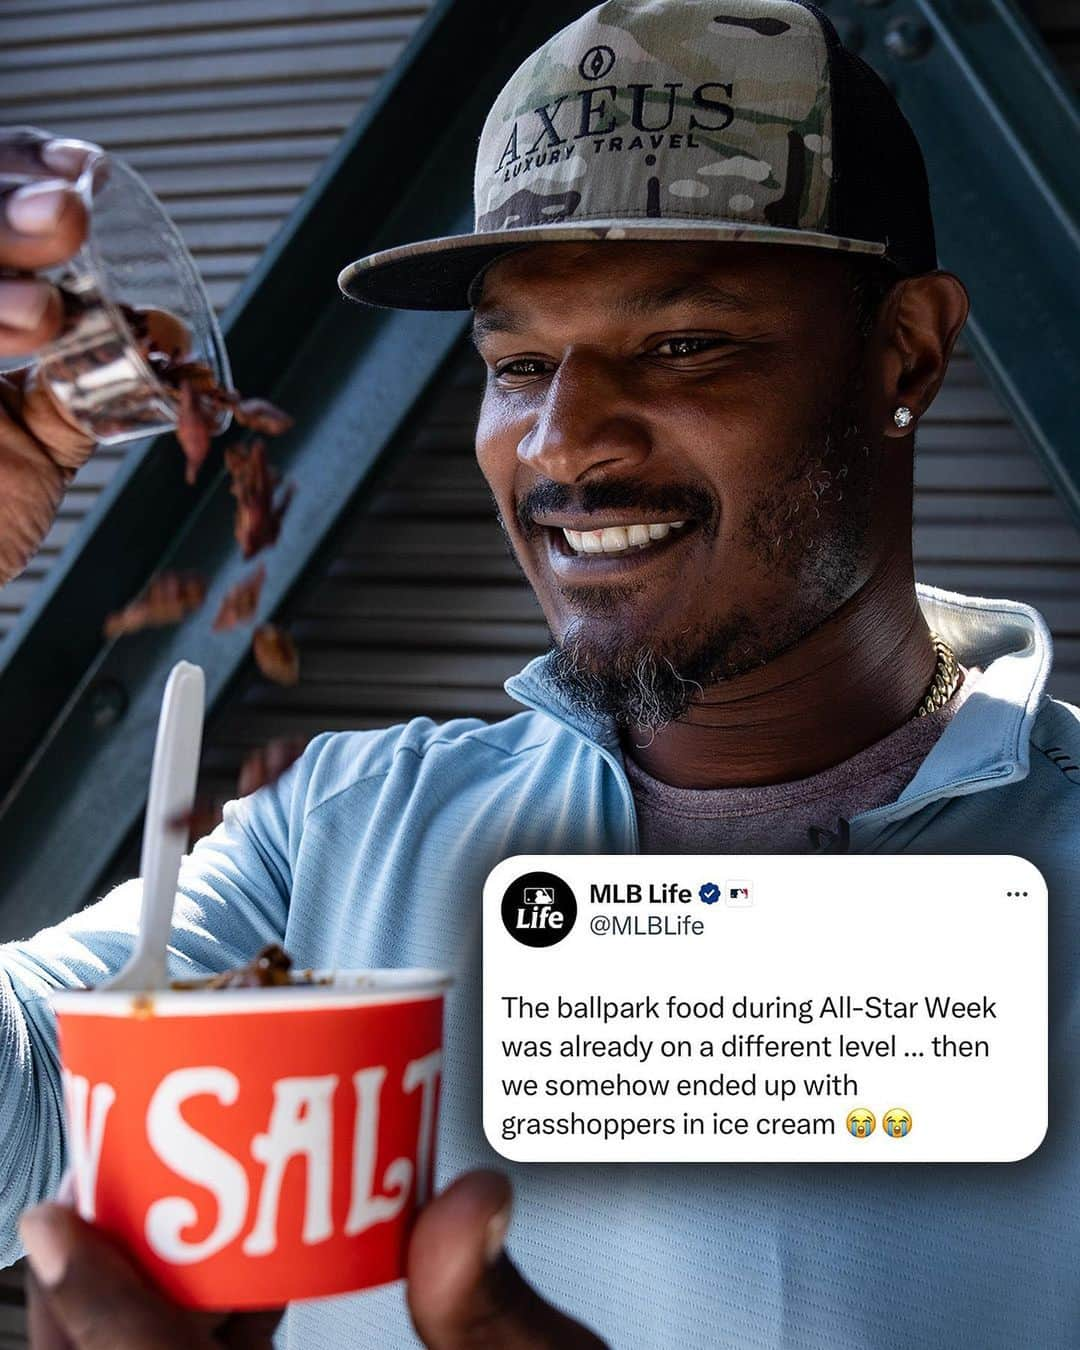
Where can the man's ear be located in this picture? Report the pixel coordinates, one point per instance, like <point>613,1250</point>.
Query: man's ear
<point>922,319</point>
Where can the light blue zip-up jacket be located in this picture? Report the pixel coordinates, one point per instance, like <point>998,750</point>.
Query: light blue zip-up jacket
<point>372,850</point>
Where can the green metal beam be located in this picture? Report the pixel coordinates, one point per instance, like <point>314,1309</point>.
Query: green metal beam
<point>1000,130</point>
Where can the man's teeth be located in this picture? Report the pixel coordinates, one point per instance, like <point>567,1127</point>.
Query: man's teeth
<point>619,538</point>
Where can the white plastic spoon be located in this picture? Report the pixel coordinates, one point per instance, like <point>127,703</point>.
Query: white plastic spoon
<point>172,794</point>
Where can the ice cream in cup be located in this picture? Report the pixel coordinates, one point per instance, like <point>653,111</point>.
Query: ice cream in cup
<point>250,1146</point>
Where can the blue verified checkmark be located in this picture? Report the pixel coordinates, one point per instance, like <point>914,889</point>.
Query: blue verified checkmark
<point>710,893</point>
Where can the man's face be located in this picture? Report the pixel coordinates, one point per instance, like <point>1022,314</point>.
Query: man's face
<point>675,440</point>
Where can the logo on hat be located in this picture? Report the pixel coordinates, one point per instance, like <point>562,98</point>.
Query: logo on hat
<point>596,63</point>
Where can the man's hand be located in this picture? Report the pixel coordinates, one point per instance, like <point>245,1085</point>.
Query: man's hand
<point>42,222</point>
<point>463,1291</point>
<point>84,1294</point>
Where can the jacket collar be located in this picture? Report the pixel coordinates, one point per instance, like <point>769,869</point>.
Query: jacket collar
<point>985,744</point>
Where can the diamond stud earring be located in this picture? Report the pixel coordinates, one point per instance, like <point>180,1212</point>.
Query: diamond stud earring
<point>902,416</point>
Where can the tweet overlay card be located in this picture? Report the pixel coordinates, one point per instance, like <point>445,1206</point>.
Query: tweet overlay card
<point>837,1008</point>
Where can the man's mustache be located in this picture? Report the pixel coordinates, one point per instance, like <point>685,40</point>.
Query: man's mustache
<point>550,498</point>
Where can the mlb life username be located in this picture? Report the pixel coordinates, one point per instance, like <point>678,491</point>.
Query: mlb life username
<point>634,893</point>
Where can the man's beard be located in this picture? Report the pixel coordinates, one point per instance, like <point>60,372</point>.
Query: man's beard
<point>810,526</point>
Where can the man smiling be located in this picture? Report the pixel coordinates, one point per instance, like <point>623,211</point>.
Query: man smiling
<point>705,290</point>
<point>690,453</point>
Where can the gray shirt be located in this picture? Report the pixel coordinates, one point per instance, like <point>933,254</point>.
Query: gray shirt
<point>778,817</point>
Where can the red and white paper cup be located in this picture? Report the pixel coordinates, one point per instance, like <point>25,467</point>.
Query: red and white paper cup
<point>250,1147</point>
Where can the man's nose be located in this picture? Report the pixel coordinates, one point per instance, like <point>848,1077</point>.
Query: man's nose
<point>588,418</point>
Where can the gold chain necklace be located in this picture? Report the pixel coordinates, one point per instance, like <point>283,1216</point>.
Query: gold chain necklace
<point>946,679</point>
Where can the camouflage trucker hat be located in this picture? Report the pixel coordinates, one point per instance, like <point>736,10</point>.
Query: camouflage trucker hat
<point>679,120</point>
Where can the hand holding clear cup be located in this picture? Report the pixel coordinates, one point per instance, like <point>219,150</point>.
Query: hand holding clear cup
<point>85,250</point>
<point>43,222</point>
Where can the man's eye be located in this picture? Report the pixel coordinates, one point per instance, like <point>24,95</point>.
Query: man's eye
<point>515,367</point>
<point>690,346</point>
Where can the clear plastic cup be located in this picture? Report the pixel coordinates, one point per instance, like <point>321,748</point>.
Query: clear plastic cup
<point>133,256</point>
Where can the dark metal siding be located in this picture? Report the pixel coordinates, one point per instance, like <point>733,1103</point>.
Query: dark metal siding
<point>1059,23</point>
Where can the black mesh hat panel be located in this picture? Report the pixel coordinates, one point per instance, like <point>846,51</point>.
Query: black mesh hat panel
<point>880,187</point>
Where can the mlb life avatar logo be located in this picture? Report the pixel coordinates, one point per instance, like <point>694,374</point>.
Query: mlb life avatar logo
<point>538,909</point>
